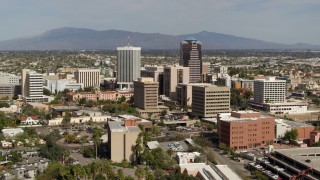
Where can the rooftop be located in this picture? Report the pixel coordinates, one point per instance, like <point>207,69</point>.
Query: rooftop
<point>115,126</point>
<point>291,123</point>
<point>153,144</point>
<point>303,154</point>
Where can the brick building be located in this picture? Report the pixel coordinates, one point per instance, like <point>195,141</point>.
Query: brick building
<point>245,129</point>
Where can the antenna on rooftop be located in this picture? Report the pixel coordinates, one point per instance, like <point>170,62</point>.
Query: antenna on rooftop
<point>129,39</point>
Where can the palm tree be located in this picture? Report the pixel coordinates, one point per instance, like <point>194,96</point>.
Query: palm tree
<point>140,173</point>
<point>120,174</point>
<point>88,171</point>
<point>96,139</point>
<point>107,169</point>
<point>95,169</point>
<point>76,170</point>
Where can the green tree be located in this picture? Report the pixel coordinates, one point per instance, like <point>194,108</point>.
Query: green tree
<point>120,174</point>
<point>291,135</point>
<point>46,92</point>
<point>4,105</point>
<point>140,173</point>
<point>122,99</point>
<point>66,119</point>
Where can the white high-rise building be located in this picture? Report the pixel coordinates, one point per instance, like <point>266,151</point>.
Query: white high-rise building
<point>32,84</point>
<point>129,64</point>
<point>88,77</point>
<point>269,90</point>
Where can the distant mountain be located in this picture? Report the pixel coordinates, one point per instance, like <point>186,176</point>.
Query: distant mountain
<point>69,38</point>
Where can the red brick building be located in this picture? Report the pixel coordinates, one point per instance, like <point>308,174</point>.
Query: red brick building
<point>245,129</point>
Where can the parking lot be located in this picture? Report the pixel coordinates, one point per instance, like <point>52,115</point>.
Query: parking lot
<point>175,146</point>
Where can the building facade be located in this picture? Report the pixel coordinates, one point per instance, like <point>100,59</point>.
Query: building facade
<point>88,77</point>
<point>209,100</point>
<point>245,129</point>
<point>191,56</point>
<point>155,72</point>
<point>173,75</point>
<point>269,90</point>
<point>32,84</point>
<point>146,93</point>
<point>121,139</point>
<point>128,65</point>
<point>99,95</point>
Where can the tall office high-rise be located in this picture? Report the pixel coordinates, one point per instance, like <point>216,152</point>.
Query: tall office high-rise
<point>172,76</point>
<point>191,56</point>
<point>128,65</point>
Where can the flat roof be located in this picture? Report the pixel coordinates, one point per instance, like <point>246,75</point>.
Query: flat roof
<point>228,117</point>
<point>291,123</point>
<point>153,144</point>
<point>65,108</point>
<point>115,126</point>
<point>228,172</point>
<point>36,104</point>
<point>303,154</point>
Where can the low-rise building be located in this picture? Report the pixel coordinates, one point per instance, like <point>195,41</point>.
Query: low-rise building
<point>39,106</point>
<point>187,157</point>
<point>79,120</point>
<point>99,95</point>
<point>6,144</point>
<point>29,120</point>
<point>245,129</point>
<point>11,132</point>
<point>304,130</point>
<point>282,108</point>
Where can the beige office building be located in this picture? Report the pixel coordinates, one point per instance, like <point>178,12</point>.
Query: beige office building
<point>208,100</point>
<point>121,139</point>
<point>88,77</point>
<point>155,72</point>
<point>146,93</point>
<point>172,76</point>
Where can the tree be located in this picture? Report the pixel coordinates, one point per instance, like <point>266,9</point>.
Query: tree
<point>120,174</point>
<point>291,135</point>
<point>222,146</point>
<point>4,105</point>
<point>66,119</point>
<point>46,92</point>
<point>122,99</point>
<point>140,173</point>
<point>96,139</point>
<point>88,153</point>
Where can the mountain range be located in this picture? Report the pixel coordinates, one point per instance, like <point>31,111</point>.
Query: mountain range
<point>69,38</point>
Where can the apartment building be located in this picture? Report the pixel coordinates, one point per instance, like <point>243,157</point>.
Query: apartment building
<point>208,100</point>
<point>121,139</point>
<point>245,129</point>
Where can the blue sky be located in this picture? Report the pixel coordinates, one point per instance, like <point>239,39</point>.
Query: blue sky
<point>285,21</point>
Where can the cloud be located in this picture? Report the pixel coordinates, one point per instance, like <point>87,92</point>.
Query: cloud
<point>287,21</point>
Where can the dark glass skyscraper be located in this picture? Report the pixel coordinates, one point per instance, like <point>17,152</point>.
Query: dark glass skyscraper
<point>191,56</point>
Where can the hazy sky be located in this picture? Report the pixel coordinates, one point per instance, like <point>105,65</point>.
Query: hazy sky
<point>285,21</point>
